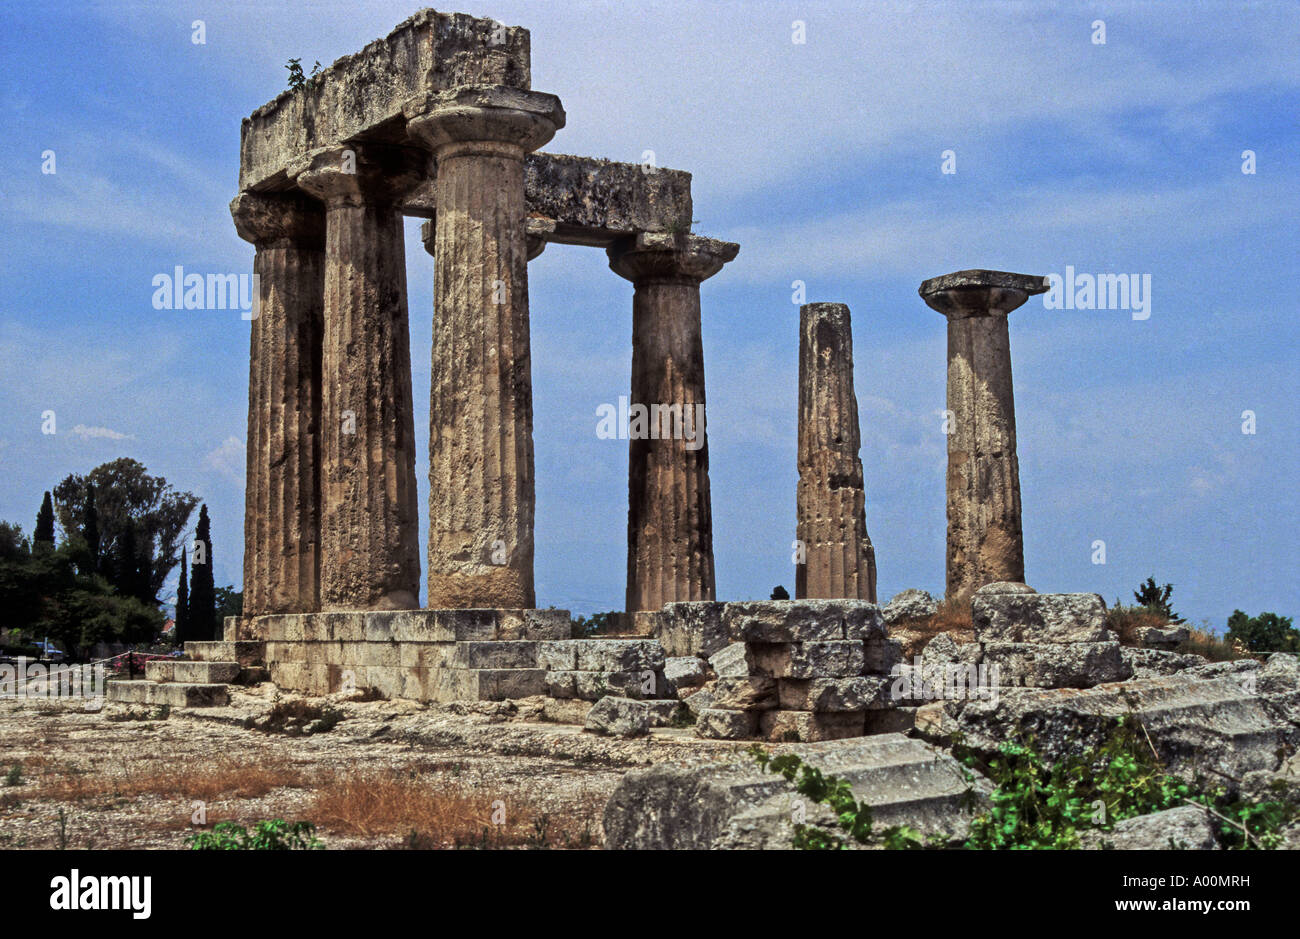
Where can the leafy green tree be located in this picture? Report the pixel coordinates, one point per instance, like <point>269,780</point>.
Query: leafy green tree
<point>230,602</point>
<point>124,496</point>
<point>296,77</point>
<point>90,532</point>
<point>181,632</point>
<point>203,597</point>
<point>44,594</point>
<point>44,535</point>
<point>1156,599</point>
<point>1267,632</point>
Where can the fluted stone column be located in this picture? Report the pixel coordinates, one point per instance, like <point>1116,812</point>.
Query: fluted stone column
<point>482,493</point>
<point>985,539</point>
<point>839,561</point>
<point>282,486</point>
<point>369,520</point>
<point>670,516</point>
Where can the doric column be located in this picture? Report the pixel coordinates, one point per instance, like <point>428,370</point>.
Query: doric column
<point>985,540</point>
<point>282,486</point>
<point>369,534</point>
<point>839,561</point>
<point>481,486</point>
<point>669,516</point>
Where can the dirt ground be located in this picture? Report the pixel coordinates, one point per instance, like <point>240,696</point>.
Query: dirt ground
<point>386,774</point>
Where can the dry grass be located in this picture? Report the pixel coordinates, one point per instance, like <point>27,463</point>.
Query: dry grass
<point>438,813</point>
<point>210,780</point>
<point>952,616</point>
<point>1126,621</point>
<point>1213,647</point>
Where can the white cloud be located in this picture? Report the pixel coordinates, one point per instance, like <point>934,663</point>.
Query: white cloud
<point>228,459</point>
<point>99,433</point>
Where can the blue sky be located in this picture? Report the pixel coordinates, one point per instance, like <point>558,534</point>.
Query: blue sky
<point>823,161</point>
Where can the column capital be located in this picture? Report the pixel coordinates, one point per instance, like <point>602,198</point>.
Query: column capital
<point>478,116</point>
<point>536,233</point>
<point>664,256</point>
<point>359,173</point>
<point>271,219</point>
<point>965,294</point>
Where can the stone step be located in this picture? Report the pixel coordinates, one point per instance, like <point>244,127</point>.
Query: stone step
<point>480,684</point>
<point>737,805</point>
<point>173,694</point>
<point>245,652</point>
<point>202,673</point>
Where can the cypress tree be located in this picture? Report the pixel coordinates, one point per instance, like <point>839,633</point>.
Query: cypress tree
<point>203,599</point>
<point>181,632</point>
<point>44,536</point>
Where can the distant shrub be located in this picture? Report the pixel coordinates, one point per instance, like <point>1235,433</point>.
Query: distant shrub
<point>1267,632</point>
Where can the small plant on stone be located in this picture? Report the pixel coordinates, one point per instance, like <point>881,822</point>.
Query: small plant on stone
<point>270,835</point>
<point>296,77</point>
<point>15,775</point>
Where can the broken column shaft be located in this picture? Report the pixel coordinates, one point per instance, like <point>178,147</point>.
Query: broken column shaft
<point>282,490</point>
<point>369,521</point>
<point>481,485</point>
<point>985,539</point>
<point>838,558</point>
<point>670,518</point>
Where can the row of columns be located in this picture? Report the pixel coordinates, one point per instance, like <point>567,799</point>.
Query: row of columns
<point>331,516</point>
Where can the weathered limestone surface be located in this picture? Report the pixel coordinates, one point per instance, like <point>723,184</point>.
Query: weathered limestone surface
<point>369,538</point>
<point>670,517</point>
<point>282,488</point>
<point>985,539</point>
<point>737,805</point>
<point>830,502</point>
<point>1214,721</point>
<point>481,485</point>
<point>363,94</point>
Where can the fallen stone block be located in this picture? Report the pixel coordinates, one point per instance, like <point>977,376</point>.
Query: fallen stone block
<point>619,655</point>
<point>909,605</point>
<point>1280,674</point>
<point>699,701</point>
<point>1217,727</point>
<point>809,726</point>
<point>619,717</point>
<point>752,693</point>
<point>640,684</point>
<point>687,671</point>
<point>837,659</point>
<point>696,628</point>
<point>737,805</point>
<point>1055,664</point>
<point>720,724</point>
<point>1039,617</point>
<point>1162,637</point>
<point>834,694</point>
<point>669,714</point>
<point>781,621</point>
<point>1185,828</point>
<point>730,661</point>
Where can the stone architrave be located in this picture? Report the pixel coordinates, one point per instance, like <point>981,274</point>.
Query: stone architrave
<point>839,560</point>
<point>481,485</point>
<point>985,539</point>
<point>670,518</point>
<point>282,489</point>
<point>369,521</point>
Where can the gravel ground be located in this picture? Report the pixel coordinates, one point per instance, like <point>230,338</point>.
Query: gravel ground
<point>129,777</point>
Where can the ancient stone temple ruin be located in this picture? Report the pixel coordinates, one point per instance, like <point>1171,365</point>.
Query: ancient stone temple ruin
<point>439,121</point>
